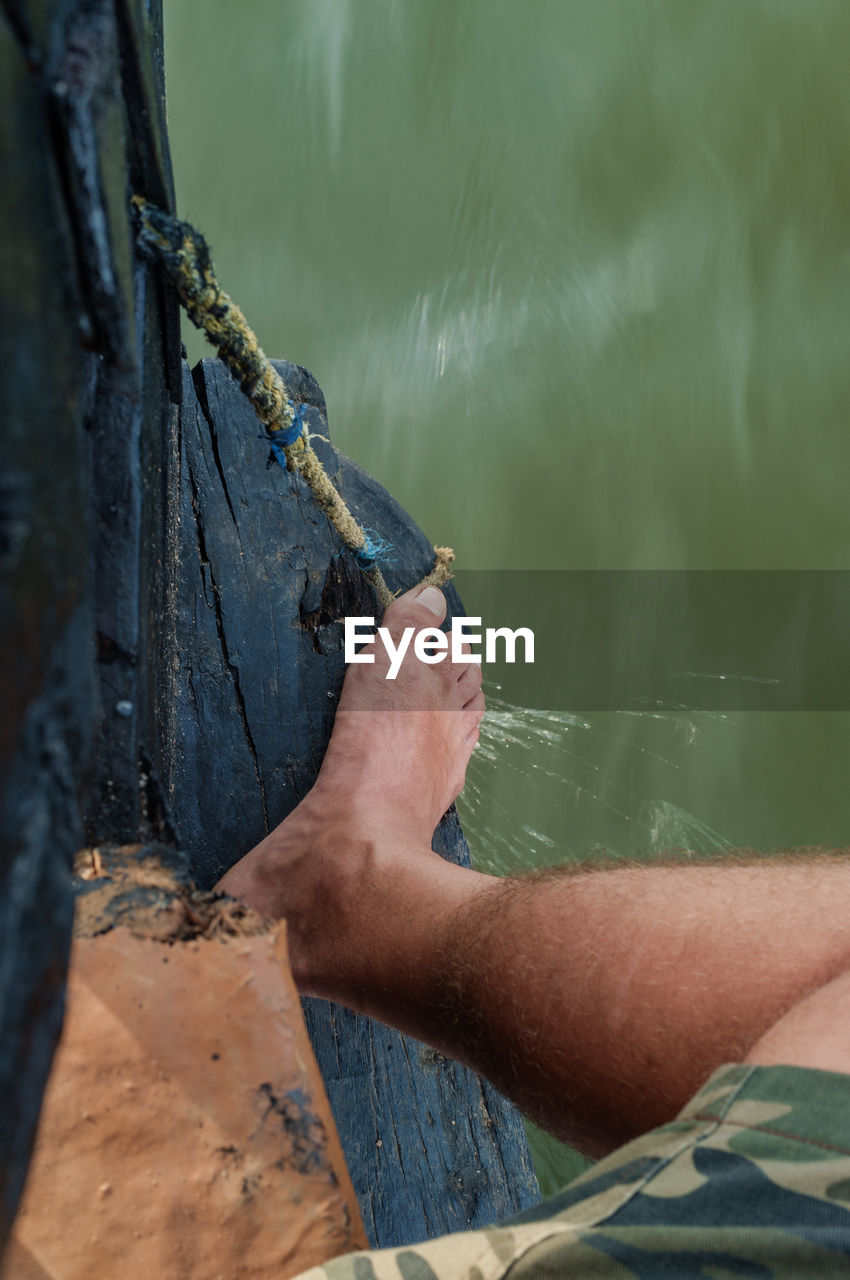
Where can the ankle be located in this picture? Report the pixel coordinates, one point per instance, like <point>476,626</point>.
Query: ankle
<point>316,871</point>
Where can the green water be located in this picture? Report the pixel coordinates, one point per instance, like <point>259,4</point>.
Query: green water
<point>574,277</point>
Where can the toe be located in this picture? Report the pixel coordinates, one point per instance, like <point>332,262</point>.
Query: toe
<point>467,672</point>
<point>422,607</point>
<point>473,712</point>
<point>470,677</point>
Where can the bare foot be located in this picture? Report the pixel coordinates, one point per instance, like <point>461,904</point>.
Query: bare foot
<point>395,762</point>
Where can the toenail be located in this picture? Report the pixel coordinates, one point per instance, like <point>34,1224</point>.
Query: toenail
<point>433,600</point>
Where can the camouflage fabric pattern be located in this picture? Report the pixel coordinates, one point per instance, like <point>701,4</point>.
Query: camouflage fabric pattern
<point>751,1180</point>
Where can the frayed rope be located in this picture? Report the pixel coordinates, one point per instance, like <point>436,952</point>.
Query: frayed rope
<point>184,257</point>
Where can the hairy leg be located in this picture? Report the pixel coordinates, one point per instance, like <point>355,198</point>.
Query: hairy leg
<point>599,1000</point>
<point>602,1000</point>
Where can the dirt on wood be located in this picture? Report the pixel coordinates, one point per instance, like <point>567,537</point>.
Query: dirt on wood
<point>185,1132</point>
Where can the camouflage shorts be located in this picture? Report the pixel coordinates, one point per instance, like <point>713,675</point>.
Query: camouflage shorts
<point>752,1179</point>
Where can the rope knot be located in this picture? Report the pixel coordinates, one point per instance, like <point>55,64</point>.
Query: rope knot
<point>280,438</point>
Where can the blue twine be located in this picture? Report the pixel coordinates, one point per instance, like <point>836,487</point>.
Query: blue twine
<point>285,436</point>
<point>374,548</point>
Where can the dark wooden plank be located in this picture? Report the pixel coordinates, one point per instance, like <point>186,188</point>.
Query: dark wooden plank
<point>45,665</point>
<point>131,421</point>
<point>262,583</point>
<point>84,384</point>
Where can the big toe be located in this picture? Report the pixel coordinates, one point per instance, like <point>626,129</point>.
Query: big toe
<point>421,607</point>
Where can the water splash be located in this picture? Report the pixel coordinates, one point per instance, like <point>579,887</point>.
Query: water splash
<point>546,786</point>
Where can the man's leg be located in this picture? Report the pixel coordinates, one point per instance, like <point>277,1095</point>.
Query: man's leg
<point>599,1000</point>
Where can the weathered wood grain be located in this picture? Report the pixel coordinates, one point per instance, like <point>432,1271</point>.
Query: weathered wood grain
<point>263,583</point>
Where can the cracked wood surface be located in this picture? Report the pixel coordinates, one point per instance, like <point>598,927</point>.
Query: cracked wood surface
<point>262,584</point>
